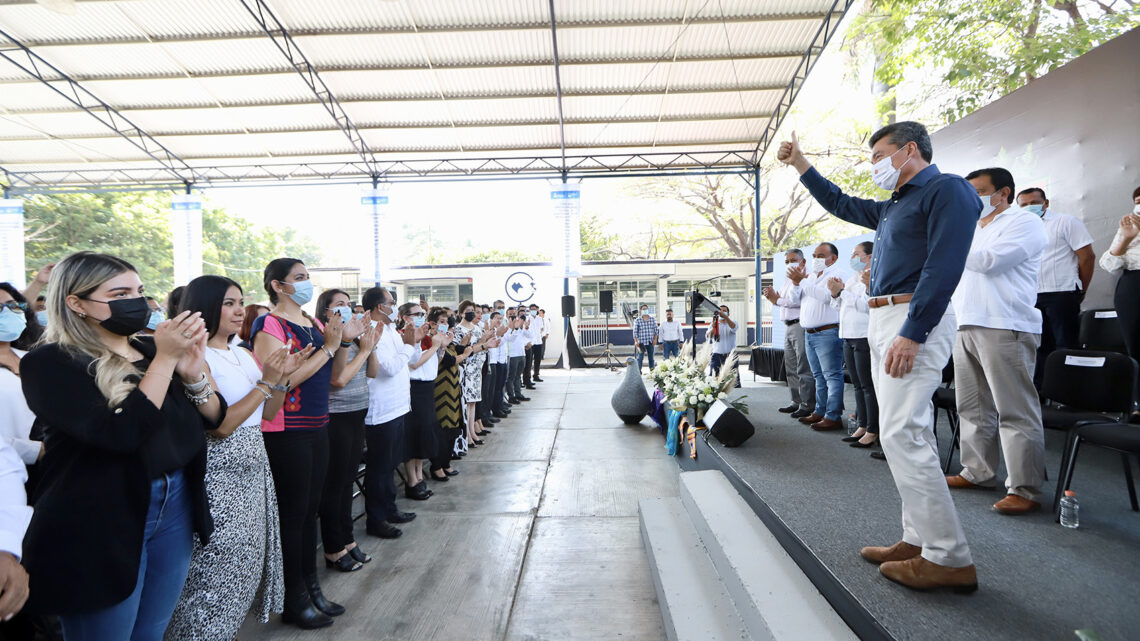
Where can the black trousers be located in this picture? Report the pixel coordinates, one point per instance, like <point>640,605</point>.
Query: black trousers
<point>484,407</point>
<point>538,352</point>
<point>528,365</point>
<point>498,387</point>
<point>299,461</point>
<point>1060,326</point>
<point>857,355</point>
<point>385,452</point>
<point>1127,303</point>
<point>346,447</point>
<point>446,443</point>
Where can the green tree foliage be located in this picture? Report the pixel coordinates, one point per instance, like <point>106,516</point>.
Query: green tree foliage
<point>983,49</point>
<point>136,227</point>
<point>502,256</point>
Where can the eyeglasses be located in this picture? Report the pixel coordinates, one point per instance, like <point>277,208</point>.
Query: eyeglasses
<point>418,315</point>
<point>14,306</point>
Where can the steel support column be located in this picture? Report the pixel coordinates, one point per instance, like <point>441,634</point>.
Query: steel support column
<point>757,253</point>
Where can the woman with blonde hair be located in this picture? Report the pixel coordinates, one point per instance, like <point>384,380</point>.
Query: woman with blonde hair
<point>122,489</point>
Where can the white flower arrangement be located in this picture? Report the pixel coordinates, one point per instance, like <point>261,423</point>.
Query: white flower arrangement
<point>686,385</point>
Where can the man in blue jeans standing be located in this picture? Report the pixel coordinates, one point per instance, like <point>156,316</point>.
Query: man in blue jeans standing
<point>821,329</point>
<point>671,336</point>
<point>645,336</point>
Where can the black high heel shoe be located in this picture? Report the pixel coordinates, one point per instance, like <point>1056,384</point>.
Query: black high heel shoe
<point>859,445</point>
<point>451,473</point>
<point>478,441</point>
<point>441,479</point>
<point>346,563</point>
<point>360,555</point>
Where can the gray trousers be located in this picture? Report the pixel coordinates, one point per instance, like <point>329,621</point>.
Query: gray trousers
<point>997,403</point>
<point>801,383</point>
<point>514,376</point>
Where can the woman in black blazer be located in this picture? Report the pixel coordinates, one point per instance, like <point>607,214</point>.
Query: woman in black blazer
<point>122,490</point>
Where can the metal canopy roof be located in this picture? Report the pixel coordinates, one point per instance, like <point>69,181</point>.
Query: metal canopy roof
<point>128,93</point>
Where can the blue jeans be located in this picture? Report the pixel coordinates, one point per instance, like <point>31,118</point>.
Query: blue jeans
<point>642,350</point>
<point>670,349</point>
<point>825,355</point>
<point>167,543</point>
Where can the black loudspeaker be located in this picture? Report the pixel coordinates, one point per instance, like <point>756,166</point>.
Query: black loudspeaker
<point>606,301</point>
<point>727,425</point>
<point>567,306</point>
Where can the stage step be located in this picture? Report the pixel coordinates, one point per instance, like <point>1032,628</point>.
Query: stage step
<point>695,604</point>
<point>774,598</point>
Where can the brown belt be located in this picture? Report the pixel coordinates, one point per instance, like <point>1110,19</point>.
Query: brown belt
<point>822,328</point>
<point>883,301</point>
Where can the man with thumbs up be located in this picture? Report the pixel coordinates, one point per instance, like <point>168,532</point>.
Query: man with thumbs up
<point>922,237</point>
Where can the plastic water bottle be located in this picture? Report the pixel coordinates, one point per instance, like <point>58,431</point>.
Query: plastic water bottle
<point>852,424</point>
<point>1070,510</point>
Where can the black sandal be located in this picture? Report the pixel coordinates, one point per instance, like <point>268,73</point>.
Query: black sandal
<point>346,563</point>
<point>360,555</point>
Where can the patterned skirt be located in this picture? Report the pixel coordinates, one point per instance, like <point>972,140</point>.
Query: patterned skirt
<point>243,558</point>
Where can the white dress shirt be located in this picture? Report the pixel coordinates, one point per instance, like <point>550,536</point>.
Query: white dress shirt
<point>999,286</point>
<point>854,313</point>
<point>534,331</point>
<point>1130,260</point>
<point>789,302</point>
<point>390,393</point>
<point>14,510</point>
<point>671,331</point>
<point>516,343</point>
<point>1059,266</point>
<point>15,417</point>
<point>814,297</point>
<point>545,326</point>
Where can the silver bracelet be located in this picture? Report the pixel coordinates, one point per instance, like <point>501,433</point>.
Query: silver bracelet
<point>329,352</point>
<point>194,388</point>
<point>202,398</point>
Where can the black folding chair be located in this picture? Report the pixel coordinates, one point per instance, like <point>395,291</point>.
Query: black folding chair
<point>1100,330</point>
<point>1086,387</point>
<point>946,399</point>
<point>1116,436</point>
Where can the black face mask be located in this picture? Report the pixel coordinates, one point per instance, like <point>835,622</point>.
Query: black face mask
<point>128,315</point>
<point>469,316</point>
<point>451,322</point>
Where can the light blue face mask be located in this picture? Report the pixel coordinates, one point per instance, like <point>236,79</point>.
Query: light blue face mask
<point>857,264</point>
<point>12,324</point>
<point>302,292</point>
<point>156,317</point>
<point>345,313</point>
<point>41,317</point>
<point>419,321</point>
<point>1036,209</point>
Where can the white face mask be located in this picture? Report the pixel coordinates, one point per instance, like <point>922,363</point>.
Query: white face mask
<point>818,264</point>
<point>1136,210</point>
<point>885,175</point>
<point>987,207</point>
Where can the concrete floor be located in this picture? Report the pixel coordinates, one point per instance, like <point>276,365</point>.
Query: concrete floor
<point>537,539</point>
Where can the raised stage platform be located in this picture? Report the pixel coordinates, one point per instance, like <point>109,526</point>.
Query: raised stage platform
<point>824,500</point>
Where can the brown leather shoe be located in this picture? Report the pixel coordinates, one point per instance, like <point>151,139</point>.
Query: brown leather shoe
<point>811,418</point>
<point>1015,505</point>
<point>826,425</point>
<point>900,551</point>
<point>919,574</point>
<point>958,482</point>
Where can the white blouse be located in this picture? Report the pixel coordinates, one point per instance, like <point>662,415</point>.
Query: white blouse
<point>15,417</point>
<point>235,373</point>
<point>1130,260</point>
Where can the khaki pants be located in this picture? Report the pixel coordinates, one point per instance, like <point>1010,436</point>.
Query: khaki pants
<point>906,430</point>
<point>800,380</point>
<point>993,377</point>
